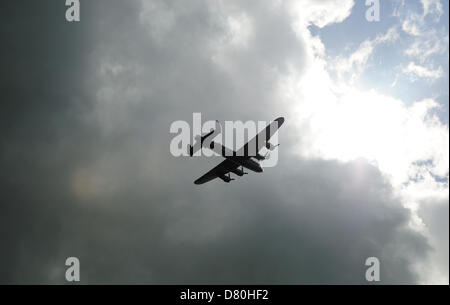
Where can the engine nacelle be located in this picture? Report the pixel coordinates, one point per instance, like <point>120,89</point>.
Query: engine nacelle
<point>259,157</point>
<point>238,172</point>
<point>269,146</point>
<point>226,178</point>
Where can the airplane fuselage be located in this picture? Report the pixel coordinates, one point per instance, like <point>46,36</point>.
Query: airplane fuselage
<point>246,162</point>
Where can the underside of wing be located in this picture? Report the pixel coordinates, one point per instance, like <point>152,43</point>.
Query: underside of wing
<point>252,147</point>
<point>218,172</point>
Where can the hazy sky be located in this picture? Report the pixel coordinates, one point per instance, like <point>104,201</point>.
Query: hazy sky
<point>86,169</point>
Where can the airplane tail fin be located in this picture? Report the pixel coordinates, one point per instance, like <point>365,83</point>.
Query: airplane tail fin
<point>200,139</point>
<point>207,135</point>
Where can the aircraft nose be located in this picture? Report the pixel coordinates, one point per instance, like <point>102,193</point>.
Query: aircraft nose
<point>259,169</point>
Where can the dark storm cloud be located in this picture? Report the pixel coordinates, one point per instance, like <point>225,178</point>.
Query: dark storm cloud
<point>435,215</point>
<point>316,223</point>
<point>86,171</point>
<point>43,95</point>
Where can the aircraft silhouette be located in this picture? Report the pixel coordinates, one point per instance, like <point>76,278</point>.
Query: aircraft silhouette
<point>235,162</point>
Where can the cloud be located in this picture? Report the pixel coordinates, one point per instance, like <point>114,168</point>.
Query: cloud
<point>428,43</point>
<point>260,235</point>
<point>417,71</point>
<point>433,8</point>
<point>410,28</point>
<point>87,171</point>
<point>414,23</point>
<point>340,121</point>
<point>319,13</point>
<point>354,64</point>
<point>434,213</point>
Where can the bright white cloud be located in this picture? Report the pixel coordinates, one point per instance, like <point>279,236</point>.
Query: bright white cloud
<point>319,13</point>
<point>433,8</point>
<point>410,28</point>
<point>427,40</point>
<point>414,23</point>
<point>355,124</point>
<point>353,66</point>
<point>417,71</point>
<point>427,45</point>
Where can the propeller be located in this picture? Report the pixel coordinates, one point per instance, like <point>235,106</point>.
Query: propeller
<point>269,146</point>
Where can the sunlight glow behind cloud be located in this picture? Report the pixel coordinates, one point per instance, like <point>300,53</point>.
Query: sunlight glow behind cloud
<point>337,120</point>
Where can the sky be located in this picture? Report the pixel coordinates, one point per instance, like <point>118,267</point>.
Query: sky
<point>363,164</point>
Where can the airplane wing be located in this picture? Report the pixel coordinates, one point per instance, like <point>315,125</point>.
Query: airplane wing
<point>269,131</point>
<point>219,171</point>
